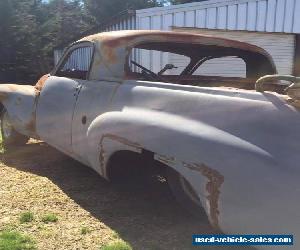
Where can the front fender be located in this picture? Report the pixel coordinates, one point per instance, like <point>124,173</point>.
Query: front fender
<point>20,103</point>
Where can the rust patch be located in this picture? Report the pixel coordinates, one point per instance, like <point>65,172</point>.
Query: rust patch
<point>119,139</point>
<point>215,181</point>
<point>109,54</point>
<point>129,38</point>
<point>31,126</point>
<point>39,85</point>
<point>168,160</point>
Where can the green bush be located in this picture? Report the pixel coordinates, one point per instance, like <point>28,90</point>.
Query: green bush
<point>49,218</point>
<point>26,217</point>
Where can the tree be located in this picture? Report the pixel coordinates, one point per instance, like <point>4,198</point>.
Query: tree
<point>32,28</point>
<point>103,10</point>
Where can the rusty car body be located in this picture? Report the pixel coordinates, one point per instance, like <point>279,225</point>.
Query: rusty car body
<point>236,148</point>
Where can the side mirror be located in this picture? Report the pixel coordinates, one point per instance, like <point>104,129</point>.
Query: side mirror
<point>170,66</point>
<point>167,66</point>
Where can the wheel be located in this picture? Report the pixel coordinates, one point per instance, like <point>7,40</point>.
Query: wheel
<point>185,194</point>
<point>10,137</point>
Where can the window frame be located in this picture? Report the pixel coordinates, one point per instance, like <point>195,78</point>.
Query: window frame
<point>208,58</point>
<point>250,58</point>
<point>68,51</point>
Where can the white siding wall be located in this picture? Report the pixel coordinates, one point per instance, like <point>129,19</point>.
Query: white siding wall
<point>225,17</point>
<point>123,24</point>
<point>251,15</point>
<point>279,46</point>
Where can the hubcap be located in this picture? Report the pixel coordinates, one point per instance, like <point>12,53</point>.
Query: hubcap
<point>7,128</point>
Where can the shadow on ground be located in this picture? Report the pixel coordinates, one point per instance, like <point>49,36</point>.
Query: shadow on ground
<point>147,218</point>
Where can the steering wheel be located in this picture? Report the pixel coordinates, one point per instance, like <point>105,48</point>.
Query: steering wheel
<point>147,72</point>
<point>259,85</point>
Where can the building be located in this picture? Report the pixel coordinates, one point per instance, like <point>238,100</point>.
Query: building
<point>271,24</point>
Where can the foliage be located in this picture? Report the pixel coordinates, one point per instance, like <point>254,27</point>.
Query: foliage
<point>31,29</point>
<point>117,245</point>
<point>49,218</point>
<point>10,240</point>
<point>26,217</point>
<point>103,10</point>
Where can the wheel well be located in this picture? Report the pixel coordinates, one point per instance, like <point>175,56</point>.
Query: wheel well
<point>139,170</point>
<point>128,164</point>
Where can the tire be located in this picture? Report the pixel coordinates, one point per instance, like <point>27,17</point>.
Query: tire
<point>10,137</point>
<point>185,194</point>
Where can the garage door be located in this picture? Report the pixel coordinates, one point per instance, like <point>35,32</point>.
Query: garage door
<point>279,46</point>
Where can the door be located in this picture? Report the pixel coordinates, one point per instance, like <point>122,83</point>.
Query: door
<point>58,97</point>
<point>94,99</point>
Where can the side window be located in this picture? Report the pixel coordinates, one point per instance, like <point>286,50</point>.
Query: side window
<point>77,63</point>
<point>229,66</point>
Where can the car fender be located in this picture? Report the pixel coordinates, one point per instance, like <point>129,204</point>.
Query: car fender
<point>188,146</point>
<point>20,103</point>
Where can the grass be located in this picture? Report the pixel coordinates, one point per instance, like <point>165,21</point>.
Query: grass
<point>26,217</point>
<point>49,218</point>
<point>10,240</point>
<point>117,245</point>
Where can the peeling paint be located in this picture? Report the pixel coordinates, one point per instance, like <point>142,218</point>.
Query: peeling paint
<point>168,160</point>
<point>39,85</point>
<point>119,139</point>
<point>215,181</point>
<point>109,54</point>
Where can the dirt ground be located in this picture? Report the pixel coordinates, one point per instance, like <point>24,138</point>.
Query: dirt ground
<point>40,179</point>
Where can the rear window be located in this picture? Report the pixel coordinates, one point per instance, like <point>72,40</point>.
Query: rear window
<point>157,61</point>
<point>229,66</point>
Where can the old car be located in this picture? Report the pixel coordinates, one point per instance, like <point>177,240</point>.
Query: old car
<point>227,145</point>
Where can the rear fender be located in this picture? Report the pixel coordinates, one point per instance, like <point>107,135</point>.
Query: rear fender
<point>187,146</point>
<point>20,103</point>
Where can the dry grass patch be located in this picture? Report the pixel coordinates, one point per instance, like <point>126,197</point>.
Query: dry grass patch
<point>92,214</point>
<point>22,190</point>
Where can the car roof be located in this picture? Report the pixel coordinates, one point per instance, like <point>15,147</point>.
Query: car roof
<point>127,38</point>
